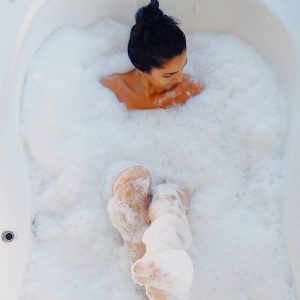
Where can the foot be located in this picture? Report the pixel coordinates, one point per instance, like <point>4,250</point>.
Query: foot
<point>156,294</point>
<point>148,272</point>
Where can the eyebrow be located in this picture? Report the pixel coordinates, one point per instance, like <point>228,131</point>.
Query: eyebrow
<point>176,71</point>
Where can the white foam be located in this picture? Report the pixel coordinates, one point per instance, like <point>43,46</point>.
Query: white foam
<point>177,276</point>
<point>164,233</point>
<point>226,145</point>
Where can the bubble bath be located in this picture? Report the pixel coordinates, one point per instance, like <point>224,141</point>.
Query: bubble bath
<point>226,145</point>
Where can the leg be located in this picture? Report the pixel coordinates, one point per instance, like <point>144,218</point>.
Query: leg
<point>128,207</point>
<point>166,269</point>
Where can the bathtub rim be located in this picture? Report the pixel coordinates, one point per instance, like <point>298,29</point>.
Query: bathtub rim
<point>16,63</point>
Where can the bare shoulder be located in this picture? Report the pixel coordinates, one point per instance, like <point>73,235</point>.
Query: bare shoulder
<point>113,82</point>
<point>117,83</point>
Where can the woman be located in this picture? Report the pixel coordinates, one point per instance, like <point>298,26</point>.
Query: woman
<point>157,49</point>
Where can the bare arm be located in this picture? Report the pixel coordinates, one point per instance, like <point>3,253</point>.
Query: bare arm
<point>185,90</point>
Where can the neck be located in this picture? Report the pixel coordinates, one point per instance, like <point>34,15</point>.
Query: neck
<point>146,87</point>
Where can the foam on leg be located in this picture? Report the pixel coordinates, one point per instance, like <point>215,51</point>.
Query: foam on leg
<point>170,271</point>
<point>128,207</point>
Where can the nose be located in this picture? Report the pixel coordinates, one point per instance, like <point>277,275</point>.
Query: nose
<point>178,78</point>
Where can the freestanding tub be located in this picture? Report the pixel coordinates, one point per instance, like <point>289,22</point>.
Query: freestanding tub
<point>271,26</point>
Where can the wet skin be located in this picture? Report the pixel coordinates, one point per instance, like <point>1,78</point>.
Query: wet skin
<point>160,88</point>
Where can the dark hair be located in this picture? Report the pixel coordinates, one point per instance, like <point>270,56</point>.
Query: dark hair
<point>154,39</point>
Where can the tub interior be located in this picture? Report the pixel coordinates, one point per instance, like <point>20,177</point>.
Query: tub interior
<point>252,21</point>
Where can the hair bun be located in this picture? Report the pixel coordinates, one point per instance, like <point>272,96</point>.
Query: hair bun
<point>149,15</point>
<point>154,3</point>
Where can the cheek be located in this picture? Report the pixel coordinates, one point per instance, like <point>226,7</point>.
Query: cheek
<point>164,80</point>
<point>161,80</point>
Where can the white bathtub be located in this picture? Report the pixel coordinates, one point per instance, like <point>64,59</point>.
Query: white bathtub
<point>271,26</point>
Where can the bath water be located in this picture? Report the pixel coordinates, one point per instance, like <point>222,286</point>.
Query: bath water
<point>226,145</point>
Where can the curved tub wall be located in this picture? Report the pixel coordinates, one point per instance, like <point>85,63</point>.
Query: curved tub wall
<point>14,191</point>
<point>251,20</point>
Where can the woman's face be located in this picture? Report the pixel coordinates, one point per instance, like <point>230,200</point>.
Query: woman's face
<point>170,74</point>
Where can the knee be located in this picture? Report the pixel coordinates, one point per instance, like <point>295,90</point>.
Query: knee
<point>136,175</point>
<point>135,172</point>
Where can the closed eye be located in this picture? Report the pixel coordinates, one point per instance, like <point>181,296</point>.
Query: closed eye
<point>171,74</point>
